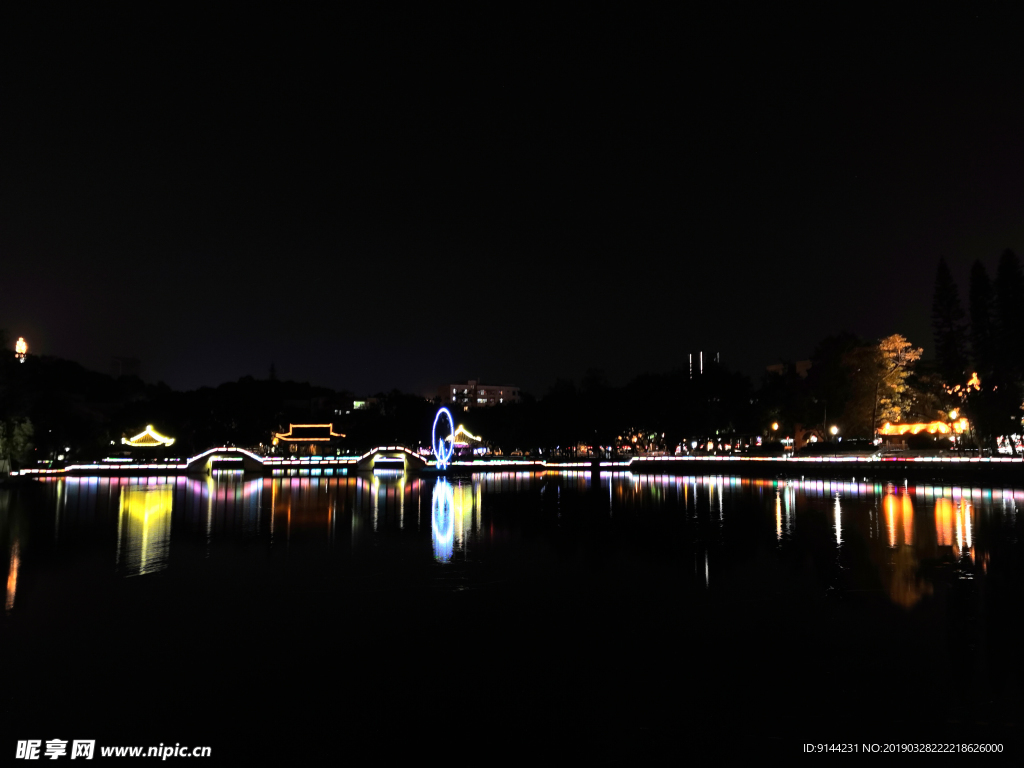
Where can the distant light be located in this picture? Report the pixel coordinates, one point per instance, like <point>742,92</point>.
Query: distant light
<point>775,425</point>
<point>834,430</point>
<point>20,349</point>
<point>954,414</point>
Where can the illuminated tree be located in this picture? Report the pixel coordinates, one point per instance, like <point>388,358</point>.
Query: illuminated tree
<point>894,397</point>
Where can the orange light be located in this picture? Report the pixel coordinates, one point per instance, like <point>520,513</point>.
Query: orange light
<point>288,435</point>
<point>931,427</point>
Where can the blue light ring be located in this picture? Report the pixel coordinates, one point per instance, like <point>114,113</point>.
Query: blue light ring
<point>443,456</point>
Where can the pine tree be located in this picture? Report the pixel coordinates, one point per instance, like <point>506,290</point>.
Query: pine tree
<point>948,327</point>
<point>990,405</point>
<point>983,337</point>
<point>1009,312</point>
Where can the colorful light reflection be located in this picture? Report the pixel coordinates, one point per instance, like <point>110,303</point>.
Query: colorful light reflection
<point>442,520</point>
<point>144,528</point>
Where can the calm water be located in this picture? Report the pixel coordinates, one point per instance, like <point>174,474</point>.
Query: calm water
<point>311,616</point>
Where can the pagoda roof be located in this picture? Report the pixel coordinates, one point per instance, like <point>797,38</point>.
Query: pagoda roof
<point>149,438</point>
<point>309,433</point>
<point>465,437</point>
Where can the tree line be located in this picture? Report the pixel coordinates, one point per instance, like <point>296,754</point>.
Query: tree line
<point>980,353</point>
<point>50,407</point>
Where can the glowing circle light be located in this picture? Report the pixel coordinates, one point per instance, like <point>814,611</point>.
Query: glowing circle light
<point>443,446</point>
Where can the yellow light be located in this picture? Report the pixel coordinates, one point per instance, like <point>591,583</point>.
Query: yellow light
<point>461,430</point>
<point>834,430</point>
<point>931,427</point>
<point>953,414</point>
<point>775,425</point>
<point>288,435</point>
<point>144,527</point>
<point>148,437</point>
<point>21,346</point>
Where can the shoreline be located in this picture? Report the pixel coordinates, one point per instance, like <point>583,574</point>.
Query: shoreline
<point>399,459</point>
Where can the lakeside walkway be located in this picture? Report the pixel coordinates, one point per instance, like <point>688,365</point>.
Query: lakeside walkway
<point>403,459</point>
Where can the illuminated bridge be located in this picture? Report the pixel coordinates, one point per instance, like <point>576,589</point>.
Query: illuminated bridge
<point>403,459</point>
<point>229,458</point>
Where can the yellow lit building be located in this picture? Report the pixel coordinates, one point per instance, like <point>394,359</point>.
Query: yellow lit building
<point>148,438</point>
<point>308,440</point>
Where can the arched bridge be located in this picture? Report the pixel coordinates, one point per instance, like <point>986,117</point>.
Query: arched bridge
<point>245,460</point>
<point>390,457</point>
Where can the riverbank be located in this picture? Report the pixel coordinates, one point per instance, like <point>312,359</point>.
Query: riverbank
<point>941,469</point>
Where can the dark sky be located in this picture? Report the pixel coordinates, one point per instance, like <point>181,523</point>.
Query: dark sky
<point>404,200</point>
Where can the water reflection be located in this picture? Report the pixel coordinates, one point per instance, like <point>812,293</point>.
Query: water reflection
<point>442,520</point>
<point>906,586</point>
<point>7,532</point>
<point>898,534</point>
<point>144,528</point>
<point>12,576</point>
<point>899,513</point>
<point>838,512</point>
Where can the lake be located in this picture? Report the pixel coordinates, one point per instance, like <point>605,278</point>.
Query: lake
<point>487,614</point>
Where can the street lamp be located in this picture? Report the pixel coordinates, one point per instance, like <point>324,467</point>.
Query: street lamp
<point>834,430</point>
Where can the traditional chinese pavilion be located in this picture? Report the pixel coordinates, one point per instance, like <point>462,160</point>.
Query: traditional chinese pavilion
<point>149,438</point>
<point>309,440</point>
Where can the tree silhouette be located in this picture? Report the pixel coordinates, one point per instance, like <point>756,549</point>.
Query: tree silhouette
<point>949,327</point>
<point>983,337</point>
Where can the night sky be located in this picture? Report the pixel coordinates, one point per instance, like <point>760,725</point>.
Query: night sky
<point>410,199</point>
